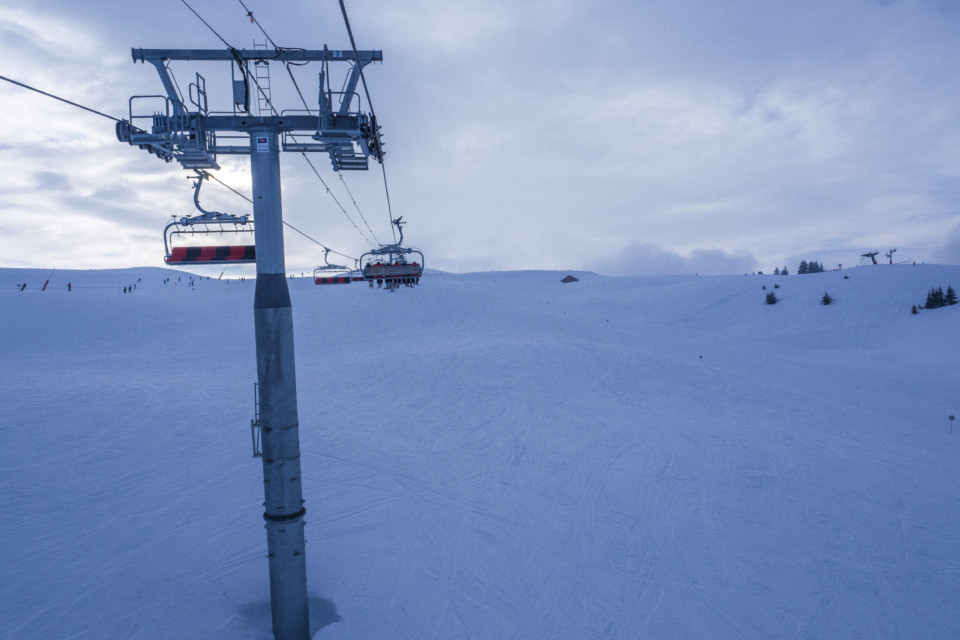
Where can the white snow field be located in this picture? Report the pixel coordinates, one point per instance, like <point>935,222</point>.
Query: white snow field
<point>493,455</point>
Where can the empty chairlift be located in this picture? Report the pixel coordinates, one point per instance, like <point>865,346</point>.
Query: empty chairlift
<point>187,239</point>
<point>333,273</point>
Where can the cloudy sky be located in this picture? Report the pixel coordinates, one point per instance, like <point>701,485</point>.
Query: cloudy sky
<point>625,137</point>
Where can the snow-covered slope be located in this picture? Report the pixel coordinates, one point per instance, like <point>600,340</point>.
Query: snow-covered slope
<point>493,455</point>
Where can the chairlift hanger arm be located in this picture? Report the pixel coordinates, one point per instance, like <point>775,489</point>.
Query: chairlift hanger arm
<point>328,266</point>
<point>200,176</point>
<point>326,259</point>
<point>398,223</point>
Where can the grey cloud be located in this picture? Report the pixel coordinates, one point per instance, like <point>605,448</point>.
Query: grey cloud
<point>950,249</point>
<point>51,181</point>
<point>650,259</point>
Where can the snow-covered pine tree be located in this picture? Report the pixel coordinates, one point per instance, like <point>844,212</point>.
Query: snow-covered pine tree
<point>934,298</point>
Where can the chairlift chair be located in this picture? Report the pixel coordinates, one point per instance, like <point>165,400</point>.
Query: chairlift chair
<point>207,223</point>
<point>333,273</point>
<point>389,264</point>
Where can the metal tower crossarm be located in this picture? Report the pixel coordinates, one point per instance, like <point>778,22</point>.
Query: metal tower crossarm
<point>279,55</point>
<point>159,57</point>
<point>172,130</point>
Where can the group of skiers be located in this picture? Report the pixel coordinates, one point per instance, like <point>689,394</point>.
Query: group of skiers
<point>388,272</point>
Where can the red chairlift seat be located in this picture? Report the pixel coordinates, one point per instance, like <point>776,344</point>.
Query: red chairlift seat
<point>336,279</point>
<point>225,254</point>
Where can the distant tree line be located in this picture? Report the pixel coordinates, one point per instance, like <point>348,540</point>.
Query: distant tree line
<point>805,267</point>
<point>937,298</point>
<point>810,267</point>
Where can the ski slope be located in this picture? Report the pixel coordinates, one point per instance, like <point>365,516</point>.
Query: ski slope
<point>491,455</point>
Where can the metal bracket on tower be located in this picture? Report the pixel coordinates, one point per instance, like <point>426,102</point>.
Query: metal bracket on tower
<point>165,127</point>
<point>255,423</point>
<point>348,134</point>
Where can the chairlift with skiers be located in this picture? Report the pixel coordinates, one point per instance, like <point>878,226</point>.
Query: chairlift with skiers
<point>392,265</point>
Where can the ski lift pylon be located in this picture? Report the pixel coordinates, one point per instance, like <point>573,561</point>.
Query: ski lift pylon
<point>208,223</point>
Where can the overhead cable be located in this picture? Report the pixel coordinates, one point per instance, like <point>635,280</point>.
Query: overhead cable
<point>375,241</point>
<point>50,95</point>
<point>373,115</point>
<point>210,175</point>
<point>250,14</point>
<point>200,18</point>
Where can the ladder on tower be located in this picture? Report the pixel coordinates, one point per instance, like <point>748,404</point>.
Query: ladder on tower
<point>261,74</point>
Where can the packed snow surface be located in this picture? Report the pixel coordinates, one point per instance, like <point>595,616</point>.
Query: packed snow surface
<point>494,455</point>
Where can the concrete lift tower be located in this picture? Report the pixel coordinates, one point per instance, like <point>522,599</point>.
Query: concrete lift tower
<point>169,128</point>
